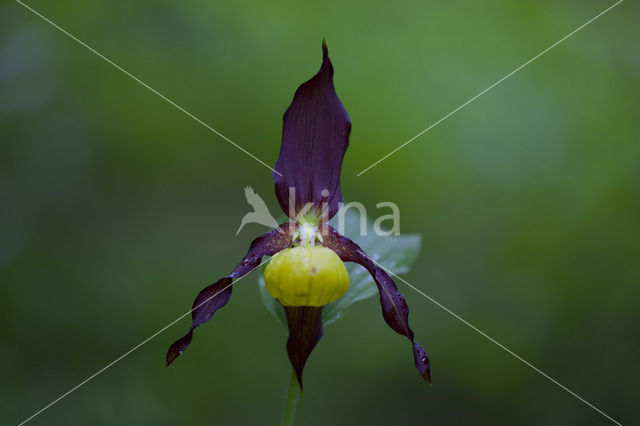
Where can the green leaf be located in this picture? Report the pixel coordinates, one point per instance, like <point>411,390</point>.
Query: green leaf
<point>272,304</point>
<point>394,252</point>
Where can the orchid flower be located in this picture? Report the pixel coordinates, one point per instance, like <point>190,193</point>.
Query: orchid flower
<point>307,269</point>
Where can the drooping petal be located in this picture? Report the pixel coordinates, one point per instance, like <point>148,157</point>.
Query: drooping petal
<point>215,296</point>
<point>305,331</point>
<point>394,307</point>
<point>315,136</point>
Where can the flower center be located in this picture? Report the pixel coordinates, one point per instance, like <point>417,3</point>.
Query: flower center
<point>308,234</point>
<point>306,276</point>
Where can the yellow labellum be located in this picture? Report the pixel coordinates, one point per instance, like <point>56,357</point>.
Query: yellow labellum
<point>306,276</point>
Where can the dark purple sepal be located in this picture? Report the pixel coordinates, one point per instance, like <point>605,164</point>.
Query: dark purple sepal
<point>394,307</point>
<point>215,296</point>
<point>315,136</point>
<point>305,331</point>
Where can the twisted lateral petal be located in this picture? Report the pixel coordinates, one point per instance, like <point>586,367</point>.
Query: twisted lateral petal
<point>215,296</point>
<point>315,136</point>
<point>394,307</point>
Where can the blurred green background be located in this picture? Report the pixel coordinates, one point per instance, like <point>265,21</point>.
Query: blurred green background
<point>116,208</point>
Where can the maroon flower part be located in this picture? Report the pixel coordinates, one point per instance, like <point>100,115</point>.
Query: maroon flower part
<point>315,136</point>
<point>215,296</point>
<point>394,308</point>
<point>307,269</point>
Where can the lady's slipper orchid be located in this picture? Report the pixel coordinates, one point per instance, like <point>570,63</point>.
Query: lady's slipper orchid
<point>307,270</point>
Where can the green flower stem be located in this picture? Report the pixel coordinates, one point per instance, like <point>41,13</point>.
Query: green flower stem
<point>292,401</point>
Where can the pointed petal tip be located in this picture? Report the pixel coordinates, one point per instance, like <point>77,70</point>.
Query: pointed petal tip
<point>427,377</point>
<point>299,377</point>
<point>327,66</point>
<point>171,357</point>
<point>177,348</point>
<point>174,351</point>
